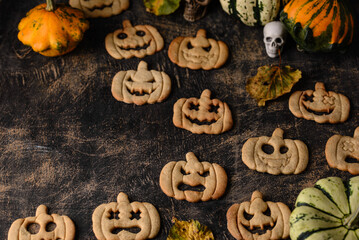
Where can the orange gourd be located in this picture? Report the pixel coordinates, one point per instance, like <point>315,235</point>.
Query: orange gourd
<point>319,25</point>
<point>52,30</point>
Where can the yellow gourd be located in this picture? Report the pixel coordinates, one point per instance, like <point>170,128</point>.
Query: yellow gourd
<point>52,30</point>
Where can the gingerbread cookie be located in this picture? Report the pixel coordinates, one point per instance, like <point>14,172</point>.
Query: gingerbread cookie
<point>141,86</point>
<point>202,115</point>
<point>339,148</point>
<point>243,220</point>
<point>198,52</point>
<point>42,226</point>
<point>100,8</point>
<point>320,105</point>
<point>287,156</point>
<point>133,41</point>
<point>110,219</point>
<point>211,176</point>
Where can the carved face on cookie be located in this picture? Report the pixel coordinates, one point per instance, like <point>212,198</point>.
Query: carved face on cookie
<point>179,179</point>
<point>198,52</point>
<point>111,220</point>
<point>275,155</point>
<point>43,226</point>
<point>141,86</point>
<point>204,115</point>
<point>133,41</point>
<point>320,105</point>
<point>249,220</point>
<point>100,8</point>
<point>339,148</point>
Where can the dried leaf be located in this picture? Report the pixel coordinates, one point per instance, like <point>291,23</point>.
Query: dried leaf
<point>272,82</point>
<point>161,7</point>
<point>192,229</point>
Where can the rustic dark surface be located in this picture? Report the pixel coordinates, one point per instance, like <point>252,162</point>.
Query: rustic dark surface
<point>67,143</point>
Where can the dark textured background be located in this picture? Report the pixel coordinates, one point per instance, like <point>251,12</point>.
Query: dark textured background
<point>67,143</point>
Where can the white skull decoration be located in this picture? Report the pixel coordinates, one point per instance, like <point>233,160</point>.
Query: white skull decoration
<point>274,38</point>
<point>195,9</point>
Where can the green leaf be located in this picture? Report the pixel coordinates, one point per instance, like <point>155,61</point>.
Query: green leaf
<point>192,229</point>
<point>272,82</point>
<point>161,7</point>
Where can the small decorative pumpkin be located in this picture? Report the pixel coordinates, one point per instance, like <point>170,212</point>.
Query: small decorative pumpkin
<point>193,173</point>
<point>198,52</point>
<point>252,12</point>
<point>62,227</point>
<point>320,25</point>
<point>339,148</point>
<point>109,220</point>
<point>288,156</point>
<point>243,227</point>
<point>100,8</point>
<point>329,210</point>
<point>141,86</point>
<point>52,30</point>
<point>201,116</point>
<point>133,41</point>
<point>320,105</point>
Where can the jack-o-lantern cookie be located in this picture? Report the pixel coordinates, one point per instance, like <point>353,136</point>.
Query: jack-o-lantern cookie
<point>320,105</point>
<point>245,220</point>
<point>100,8</point>
<point>192,173</point>
<point>141,86</point>
<point>198,52</point>
<point>339,148</point>
<point>133,41</point>
<point>275,155</point>
<point>111,219</point>
<point>42,226</point>
<point>203,115</point>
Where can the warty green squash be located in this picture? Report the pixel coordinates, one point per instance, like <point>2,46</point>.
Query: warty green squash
<point>329,210</point>
<point>319,25</point>
<point>252,12</point>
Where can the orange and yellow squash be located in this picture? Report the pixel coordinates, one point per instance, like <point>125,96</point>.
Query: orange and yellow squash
<point>52,30</point>
<point>319,25</point>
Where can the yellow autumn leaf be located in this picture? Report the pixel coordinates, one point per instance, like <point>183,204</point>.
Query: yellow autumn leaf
<point>272,82</point>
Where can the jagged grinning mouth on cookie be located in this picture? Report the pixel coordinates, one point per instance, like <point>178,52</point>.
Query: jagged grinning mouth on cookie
<point>139,92</point>
<point>185,187</point>
<point>277,162</point>
<point>197,59</point>
<point>138,48</point>
<point>320,112</point>
<point>196,121</point>
<point>101,8</point>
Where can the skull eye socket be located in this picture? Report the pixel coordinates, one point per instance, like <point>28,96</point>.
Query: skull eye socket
<point>33,228</point>
<point>189,45</point>
<point>268,39</point>
<point>140,33</point>
<point>122,35</point>
<point>278,40</point>
<point>268,149</point>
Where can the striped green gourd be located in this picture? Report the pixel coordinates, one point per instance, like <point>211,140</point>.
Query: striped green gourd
<point>329,210</point>
<point>319,25</point>
<point>252,12</point>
